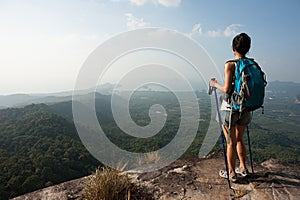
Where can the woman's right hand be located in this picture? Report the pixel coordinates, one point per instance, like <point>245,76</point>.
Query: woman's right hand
<point>212,83</point>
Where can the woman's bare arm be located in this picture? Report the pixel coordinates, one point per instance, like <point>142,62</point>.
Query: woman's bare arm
<point>229,70</point>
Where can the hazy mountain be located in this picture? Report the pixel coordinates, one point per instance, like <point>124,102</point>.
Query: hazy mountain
<point>15,99</point>
<point>287,89</point>
<point>20,100</point>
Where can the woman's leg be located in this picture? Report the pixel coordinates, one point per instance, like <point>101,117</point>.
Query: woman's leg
<point>240,146</point>
<point>231,148</point>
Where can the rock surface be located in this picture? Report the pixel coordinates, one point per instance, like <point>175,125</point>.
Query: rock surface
<point>197,178</point>
<point>67,190</point>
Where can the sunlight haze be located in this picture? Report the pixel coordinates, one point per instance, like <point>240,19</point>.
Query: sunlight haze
<point>43,44</point>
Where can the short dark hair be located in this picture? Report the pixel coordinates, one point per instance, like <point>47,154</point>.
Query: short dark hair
<point>241,43</point>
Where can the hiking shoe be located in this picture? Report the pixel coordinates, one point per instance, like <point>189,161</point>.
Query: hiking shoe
<point>243,173</point>
<point>232,177</point>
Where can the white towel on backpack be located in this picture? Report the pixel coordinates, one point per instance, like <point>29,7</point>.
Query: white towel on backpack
<point>225,105</point>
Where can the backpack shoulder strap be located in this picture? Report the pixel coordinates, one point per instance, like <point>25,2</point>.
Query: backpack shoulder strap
<point>252,63</point>
<point>235,60</point>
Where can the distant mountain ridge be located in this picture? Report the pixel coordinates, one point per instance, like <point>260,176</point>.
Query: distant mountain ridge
<point>19,100</point>
<point>284,88</point>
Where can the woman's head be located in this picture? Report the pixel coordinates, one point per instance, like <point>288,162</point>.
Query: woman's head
<point>241,43</point>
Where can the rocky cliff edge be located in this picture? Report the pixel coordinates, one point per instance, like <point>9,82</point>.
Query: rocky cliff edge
<point>196,178</point>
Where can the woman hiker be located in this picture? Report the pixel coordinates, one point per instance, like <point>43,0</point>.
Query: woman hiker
<point>234,128</point>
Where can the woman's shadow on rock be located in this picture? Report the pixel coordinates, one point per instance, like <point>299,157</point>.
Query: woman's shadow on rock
<point>271,179</point>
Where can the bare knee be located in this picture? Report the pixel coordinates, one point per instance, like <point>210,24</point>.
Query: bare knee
<point>240,133</point>
<point>232,143</point>
<point>240,142</point>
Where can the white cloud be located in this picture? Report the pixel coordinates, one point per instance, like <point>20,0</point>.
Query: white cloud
<point>134,22</point>
<point>167,3</point>
<point>197,29</point>
<point>138,2</point>
<point>229,31</point>
<point>214,33</point>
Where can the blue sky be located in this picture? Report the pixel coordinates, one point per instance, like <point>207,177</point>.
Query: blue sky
<point>43,44</point>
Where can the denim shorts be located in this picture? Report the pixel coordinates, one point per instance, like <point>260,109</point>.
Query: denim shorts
<point>243,119</point>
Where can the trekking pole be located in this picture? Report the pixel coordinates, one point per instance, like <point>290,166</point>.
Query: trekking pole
<point>251,161</point>
<point>221,131</point>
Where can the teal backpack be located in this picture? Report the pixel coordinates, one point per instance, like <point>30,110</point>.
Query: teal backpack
<point>249,85</point>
